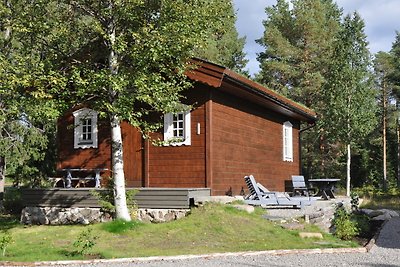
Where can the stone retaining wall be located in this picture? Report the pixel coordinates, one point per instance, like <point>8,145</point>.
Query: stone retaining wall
<point>322,217</point>
<point>59,216</point>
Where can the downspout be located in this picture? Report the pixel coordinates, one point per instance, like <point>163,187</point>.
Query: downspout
<point>300,132</point>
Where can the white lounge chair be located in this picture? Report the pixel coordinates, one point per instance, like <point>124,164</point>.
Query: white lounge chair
<point>261,196</point>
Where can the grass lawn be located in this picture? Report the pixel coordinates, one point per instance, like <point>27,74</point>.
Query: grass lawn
<point>382,202</point>
<point>208,229</point>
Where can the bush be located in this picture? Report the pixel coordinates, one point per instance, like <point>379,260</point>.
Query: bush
<point>362,223</point>
<point>85,241</point>
<point>106,199</point>
<point>344,227</point>
<point>5,240</point>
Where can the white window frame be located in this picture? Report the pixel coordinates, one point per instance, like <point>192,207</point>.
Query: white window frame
<point>171,137</point>
<point>85,114</point>
<point>287,141</point>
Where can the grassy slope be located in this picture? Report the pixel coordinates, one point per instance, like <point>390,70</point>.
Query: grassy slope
<point>209,229</point>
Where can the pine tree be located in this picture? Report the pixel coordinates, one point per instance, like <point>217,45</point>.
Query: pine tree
<point>224,46</point>
<point>298,52</point>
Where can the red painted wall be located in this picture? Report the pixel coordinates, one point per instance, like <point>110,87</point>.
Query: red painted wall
<point>182,166</point>
<point>247,139</point>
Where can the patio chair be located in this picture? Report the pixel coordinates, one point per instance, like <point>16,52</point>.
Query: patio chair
<point>260,195</point>
<point>299,186</point>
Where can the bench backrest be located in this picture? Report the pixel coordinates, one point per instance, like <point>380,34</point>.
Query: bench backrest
<point>298,181</point>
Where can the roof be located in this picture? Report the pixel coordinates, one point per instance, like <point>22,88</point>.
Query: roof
<point>230,82</point>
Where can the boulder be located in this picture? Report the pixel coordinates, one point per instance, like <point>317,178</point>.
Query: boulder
<point>248,208</point>
<point>310,235</point>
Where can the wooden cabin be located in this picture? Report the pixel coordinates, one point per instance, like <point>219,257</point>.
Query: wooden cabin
<point>236,127</point>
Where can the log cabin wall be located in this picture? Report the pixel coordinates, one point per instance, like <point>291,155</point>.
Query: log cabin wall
<point>88,158</point>
<point>182,166</point>
<point>248,139</point>
<point>100,157</point>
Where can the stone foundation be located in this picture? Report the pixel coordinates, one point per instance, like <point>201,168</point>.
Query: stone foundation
<point>60,216</point>
<point>161,215</point>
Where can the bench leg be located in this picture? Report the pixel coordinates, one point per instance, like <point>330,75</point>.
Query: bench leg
<point>97,179</point>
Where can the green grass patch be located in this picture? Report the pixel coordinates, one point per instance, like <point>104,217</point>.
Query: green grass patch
<point>120,226</point>
<point>208,229</point>
<point>382,202</point>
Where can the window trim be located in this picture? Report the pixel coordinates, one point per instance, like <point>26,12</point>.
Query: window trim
<point>169,138</point>
<point>85,113</point>
<point>287,141</point>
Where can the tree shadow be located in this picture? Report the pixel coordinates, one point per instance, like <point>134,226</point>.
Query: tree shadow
<point>8,221</point>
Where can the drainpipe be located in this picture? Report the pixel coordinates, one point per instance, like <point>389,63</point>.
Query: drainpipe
<point>300,132</point>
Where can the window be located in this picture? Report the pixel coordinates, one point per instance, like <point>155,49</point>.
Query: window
<point>85,128</point>
<point>177,128</point>
<point>287,141</point>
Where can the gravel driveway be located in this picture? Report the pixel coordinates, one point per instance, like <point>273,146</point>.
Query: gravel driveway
<point>385,253</point>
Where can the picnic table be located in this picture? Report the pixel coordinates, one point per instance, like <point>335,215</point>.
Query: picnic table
<point>95,174</point>
<point>325,187</point>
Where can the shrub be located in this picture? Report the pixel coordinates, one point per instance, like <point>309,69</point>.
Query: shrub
<point>5,240</point>
<point>362,223</point>
<point>106,199</point>
<point>345,228</point>
<point>85,241</point>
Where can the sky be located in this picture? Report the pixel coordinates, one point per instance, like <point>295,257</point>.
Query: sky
<point>381,17</point>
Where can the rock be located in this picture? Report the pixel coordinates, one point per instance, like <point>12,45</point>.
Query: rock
<point>293,226</point>
<point>248,208</point>
<point>392,213</point>
<point>310,235</point>
<point>373,213</point>
<point>160,215</point>
<point>382,217</point>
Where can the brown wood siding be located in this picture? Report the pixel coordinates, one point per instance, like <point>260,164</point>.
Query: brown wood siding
<point>182,166</point>
<point>247,139</point>
<point>133,145</point>
<point>91,158</point>
<point>88,158</point>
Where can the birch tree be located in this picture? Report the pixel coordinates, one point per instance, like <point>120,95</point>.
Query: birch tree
<point>351,97</point>
<point>24,113</point>
<point>125,58</point>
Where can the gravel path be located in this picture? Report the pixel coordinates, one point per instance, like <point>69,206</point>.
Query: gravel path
<point>386,253</point>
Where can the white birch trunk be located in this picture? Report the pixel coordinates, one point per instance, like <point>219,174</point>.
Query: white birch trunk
<point>398,153</point>
<point>384,138</point>
<point>2,181</point>
<point>121,207</point>
<point>348,171</point>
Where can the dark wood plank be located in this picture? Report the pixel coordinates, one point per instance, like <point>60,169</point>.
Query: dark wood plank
<point>162,198</point>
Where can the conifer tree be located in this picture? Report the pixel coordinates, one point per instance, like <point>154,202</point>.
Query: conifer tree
<point>224,46</point>
<point>298,45</point>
